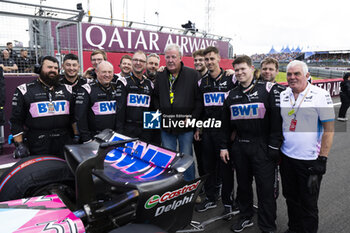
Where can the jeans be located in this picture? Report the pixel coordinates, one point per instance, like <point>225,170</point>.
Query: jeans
<point>185,139</point>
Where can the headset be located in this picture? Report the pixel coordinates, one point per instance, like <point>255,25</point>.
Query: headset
<point>38,66</point>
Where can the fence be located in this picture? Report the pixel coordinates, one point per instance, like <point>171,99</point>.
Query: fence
<point>37,31</point>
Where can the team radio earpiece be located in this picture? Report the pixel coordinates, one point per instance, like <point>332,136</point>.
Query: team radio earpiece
<point>38,66</point>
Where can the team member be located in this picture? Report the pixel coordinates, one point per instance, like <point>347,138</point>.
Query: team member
<point>41,113</point>
<point>125,67</point>
<point>177,94</point>
<point>199,65</point>
<point>152,65</point>
<point>71,75</point>
<point>95,105</point>
<point>96,57</point>
<point>213,86</point>
<point>251,114</point>
<point>133,98</point>
<point>305,147</point>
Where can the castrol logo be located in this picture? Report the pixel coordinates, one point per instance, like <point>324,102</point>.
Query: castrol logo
<point>167,196</point>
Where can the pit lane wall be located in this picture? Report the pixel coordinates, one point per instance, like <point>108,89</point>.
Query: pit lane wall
<point>14,80</point>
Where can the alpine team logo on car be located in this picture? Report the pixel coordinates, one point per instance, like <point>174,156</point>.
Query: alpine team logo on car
<point>155,199</point>
<point>151,120</point>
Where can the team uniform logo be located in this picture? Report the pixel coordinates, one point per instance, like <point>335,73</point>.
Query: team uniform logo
<point>47,108</point>
<point>104,107</point>
<point>138,100</point>
<point>247,111</point>
<point>214,98</point>
<point>151,120</point>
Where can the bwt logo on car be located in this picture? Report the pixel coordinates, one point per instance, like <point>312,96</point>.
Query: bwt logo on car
<point>155,199</point>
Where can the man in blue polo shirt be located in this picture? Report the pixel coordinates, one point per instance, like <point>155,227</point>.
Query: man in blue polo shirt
<point>308,129</point>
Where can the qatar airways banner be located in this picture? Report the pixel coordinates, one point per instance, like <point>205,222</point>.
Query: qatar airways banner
<point>124,39</point>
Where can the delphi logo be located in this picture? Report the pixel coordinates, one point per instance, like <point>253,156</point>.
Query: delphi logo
<point>151,120</point>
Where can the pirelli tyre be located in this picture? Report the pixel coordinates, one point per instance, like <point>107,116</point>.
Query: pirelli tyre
<point>36,176</point>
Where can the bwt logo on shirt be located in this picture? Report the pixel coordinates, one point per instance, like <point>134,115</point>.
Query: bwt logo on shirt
<point>57,106</point>
<point>104,107</point>
<point>138,100</point>
<point>107,106</point>
<point>214,98</point>
<point>46,108</point>
<point>151,120</point>
<point>247,111</point>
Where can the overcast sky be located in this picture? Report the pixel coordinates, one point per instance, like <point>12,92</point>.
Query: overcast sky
<point>254,25</point>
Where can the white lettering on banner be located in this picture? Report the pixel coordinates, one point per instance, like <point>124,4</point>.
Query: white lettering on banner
<point>184,42</point>
<point>137,39</point>
<point>141,40</point>
<point>117,39</point>
<point>88,36</point>
<point>129,31</point>
<point>153,41</point>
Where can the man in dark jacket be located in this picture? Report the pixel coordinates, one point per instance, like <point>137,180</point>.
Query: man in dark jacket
<point>134,95</point>
<point>251,113</point>
<point>41,118</point>
<point>95,105</point>
<point>178,98</point>
<point>344,97</point>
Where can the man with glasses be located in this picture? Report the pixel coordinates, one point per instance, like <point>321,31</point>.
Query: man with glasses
<point>133,98</point>
<point>177,97</point>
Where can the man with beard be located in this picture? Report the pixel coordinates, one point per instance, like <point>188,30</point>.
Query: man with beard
<point>95,104</point>
<point>152,65</point>
<point>41,113</point>
<point>133,98</point>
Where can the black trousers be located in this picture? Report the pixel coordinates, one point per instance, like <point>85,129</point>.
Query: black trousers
<point>301,205</point>
<point>197,146</point>
<point>251,160</point>
<point>48,142</point>
<point>210,160</point>
<point>343,109</point>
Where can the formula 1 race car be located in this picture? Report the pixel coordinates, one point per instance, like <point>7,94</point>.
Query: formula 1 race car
<point>112,184</point>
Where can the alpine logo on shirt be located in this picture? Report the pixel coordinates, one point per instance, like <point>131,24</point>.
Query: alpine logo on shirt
<point>214,98</point>
<point>104,107</point>
<point>47,108</point>
<point>138,100</point>
<point>247,111</point>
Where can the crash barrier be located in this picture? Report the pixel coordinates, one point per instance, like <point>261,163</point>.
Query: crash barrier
<point>325,72</point>
<point>14,80</point>
<point>322,72</point>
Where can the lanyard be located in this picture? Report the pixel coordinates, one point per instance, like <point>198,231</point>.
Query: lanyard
<point>294,111</point>
<point>172,79</point>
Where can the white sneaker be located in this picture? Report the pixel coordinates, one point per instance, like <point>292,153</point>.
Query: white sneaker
<point>342,118</point>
